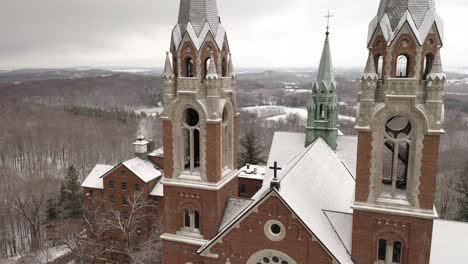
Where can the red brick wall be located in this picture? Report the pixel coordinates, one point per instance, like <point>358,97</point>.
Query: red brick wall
<point>213,152</point>
<point>210,204</point>
<point>369,227</point>
<point>409,50</point>
<point>430,157</point>
<point>363,166</point>
<point>176,253</point>
<point>168,148</point>
<point>251,187</point>
<point>297,243</point>
<point>235,149</point>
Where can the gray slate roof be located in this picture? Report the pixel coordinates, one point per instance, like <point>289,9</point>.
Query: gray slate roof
<point>397,8</point>
<point>198,12</point>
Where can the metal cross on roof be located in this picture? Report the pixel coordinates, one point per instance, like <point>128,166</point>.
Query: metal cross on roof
<point>328,16</point>
<point>275,169</point>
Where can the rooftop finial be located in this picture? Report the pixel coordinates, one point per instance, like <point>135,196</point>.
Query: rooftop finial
<point>168,71</point>
<point>328,16</point>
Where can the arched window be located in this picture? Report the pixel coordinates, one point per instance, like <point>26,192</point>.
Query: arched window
<point>321,112</point>
<point>402,67</point>
<point>428,61</point>
<point>191,221</point>
<point>191,134</point>
<point>382,250</point>
<point>206,66</point>
<point>189,67</point>
<point>196,221</point>
<point>269,256</point>
<point>186,218</point>
<point>380,64</point>
<point>397,141</point>
<point>388,252</point>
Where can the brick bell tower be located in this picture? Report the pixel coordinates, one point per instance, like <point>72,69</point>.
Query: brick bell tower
<point>199,131</point>
<point>400,121</point>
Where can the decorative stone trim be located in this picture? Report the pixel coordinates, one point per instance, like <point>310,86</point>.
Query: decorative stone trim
<point>274,230</point>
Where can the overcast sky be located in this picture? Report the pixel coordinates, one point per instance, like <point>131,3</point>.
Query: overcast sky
<point>136,33</point>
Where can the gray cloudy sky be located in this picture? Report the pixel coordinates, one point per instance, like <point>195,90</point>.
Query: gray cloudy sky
<point>136,33</point>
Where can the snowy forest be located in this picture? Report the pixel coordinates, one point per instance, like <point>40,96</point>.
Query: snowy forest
<point>55,129</point>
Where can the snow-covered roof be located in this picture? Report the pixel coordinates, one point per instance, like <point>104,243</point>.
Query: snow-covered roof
<point>254,172</point>
<point>347,152</point>
<point>142,168</point>
<point>449,241</point>
<point>313,180</point>
<point>158,190</point>
<point>318,181</point>
<point>342,223</point>
<point>157,153</point>
<point>94,178</point>
<point>234,206</point>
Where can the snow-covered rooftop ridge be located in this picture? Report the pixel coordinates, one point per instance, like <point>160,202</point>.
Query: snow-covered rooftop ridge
<point>420,29</point>
<point>142,168</point>
<point>94,178</point>
<point>198,39</point>
<point>256,172</point>
<point>395,9</point>
<point>449,242</point>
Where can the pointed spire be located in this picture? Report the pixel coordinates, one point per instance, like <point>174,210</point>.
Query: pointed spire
<point>437,71</point>
<point>370,71</point>
<point>326,73</point>
<point>212,73</point>
<point>231,70</point>
<point>198,12</point>
<point>168,71</point>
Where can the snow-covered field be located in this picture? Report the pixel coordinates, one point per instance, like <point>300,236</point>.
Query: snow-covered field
<point>155,111</point>
<point>41,257</point>
<point>279,113</point>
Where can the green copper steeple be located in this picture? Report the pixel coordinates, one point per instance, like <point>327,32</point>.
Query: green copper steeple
<point>322,119</point>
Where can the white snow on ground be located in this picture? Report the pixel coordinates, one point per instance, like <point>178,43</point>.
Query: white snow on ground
<point>40,257</point>
<point>278,113</point>
<point>297,90</point>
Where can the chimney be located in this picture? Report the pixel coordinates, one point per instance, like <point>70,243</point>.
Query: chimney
<point>141,146</point>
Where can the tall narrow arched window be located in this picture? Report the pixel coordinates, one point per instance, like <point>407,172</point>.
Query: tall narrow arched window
<point>397,250</point>
<point>196,219</point>
<point>189,67</point>
<point>395,165</point>
<point>428,61</point>
<point>206,66</point>
<point>382,250</point>
<point>380,64</point>
<point>191,133</point>
<point>321,113</point>
<point>186,218</point>
<point>402,67</point>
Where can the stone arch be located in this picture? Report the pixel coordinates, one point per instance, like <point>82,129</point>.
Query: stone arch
<point>177,115</point>
<point>267,256</point>
<point>227,112</point>
<point>419,127</point>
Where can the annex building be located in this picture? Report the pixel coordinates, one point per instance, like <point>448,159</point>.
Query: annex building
<point>327,198</point>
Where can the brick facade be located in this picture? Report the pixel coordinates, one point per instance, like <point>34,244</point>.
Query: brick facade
<point>414,233</point>
<point>249,187</point>
<point>363,166</point>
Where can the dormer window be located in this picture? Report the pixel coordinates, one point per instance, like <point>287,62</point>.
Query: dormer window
<point>402,67</point>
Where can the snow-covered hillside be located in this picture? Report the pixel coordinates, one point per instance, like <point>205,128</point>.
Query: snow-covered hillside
<point>278,113</point>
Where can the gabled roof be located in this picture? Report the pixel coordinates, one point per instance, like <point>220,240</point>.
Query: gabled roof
<point>396,8</point>
<point>314,180</point>
<point>94,179</point>
<point>142,168</point>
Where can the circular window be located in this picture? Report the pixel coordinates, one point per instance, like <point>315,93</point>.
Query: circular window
<point>398,127</point>
<point>269,256</point>
<point>274,230</point>
<point>191,117</point>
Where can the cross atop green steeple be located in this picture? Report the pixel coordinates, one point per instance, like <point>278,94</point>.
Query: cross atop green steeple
<point>322,119</point>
